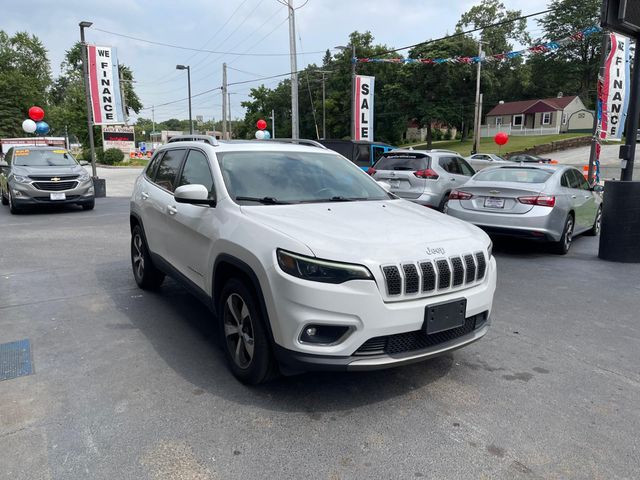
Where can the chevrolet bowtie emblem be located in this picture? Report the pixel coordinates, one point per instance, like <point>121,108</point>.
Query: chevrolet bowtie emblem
<point>55,179</point>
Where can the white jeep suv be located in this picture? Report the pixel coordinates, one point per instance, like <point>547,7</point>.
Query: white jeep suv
<point>307,262</point>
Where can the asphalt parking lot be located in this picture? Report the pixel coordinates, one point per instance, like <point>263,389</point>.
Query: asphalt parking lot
<point>132,385</point>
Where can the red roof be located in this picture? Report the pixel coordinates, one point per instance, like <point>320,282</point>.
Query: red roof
<point>532,106</point>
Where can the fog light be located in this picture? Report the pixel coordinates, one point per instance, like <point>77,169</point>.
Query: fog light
<point>323,334</point>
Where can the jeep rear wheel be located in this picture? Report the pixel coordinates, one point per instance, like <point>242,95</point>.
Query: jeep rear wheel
<point>146,275</point>
<point>245,340</point>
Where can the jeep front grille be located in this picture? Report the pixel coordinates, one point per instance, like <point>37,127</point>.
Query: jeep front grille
<point>430,277</point>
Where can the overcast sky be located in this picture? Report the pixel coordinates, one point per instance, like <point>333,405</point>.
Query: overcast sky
<point>236,26</point>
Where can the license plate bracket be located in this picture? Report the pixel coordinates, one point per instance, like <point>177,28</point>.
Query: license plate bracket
<point>57,196</point>
<point>394,183</point>
<point>444,316</point>
<point>492,202</point>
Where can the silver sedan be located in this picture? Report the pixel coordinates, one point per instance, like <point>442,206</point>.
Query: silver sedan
<point>537,202</point>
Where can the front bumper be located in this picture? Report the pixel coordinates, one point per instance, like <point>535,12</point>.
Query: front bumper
<point>24,194</point>
<point>292,362</point>
<point>358,305</point>
<point>539,223</point>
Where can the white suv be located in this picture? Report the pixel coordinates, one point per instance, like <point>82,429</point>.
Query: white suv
<point>307,261</point>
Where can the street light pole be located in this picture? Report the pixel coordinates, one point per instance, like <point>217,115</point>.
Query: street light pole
<point>188,69</point>
<point>85,68</point>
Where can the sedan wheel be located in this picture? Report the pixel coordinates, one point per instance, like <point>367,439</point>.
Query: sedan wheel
<point>562,247</point>
<point>597,224</point>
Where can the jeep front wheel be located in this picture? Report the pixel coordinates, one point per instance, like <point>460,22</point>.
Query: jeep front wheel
<point>244,336</point>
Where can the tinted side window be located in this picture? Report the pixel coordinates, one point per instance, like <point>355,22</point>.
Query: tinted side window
<point>150,172</point>
<point>565,182</point>
<point>168,169</point>
<point>445,163</point>
<point>363,158</point>
<point>574,179</point>
<point>464,167</point>
<point>581,183</point>
<point>452,166</point>
<point>196,171</point>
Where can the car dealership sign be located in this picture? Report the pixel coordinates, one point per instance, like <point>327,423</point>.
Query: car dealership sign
<point>614,89</point>
<point>104,84</point>
<point>120,137</point>
<point>364,107</point>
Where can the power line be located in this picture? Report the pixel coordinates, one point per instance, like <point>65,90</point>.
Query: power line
<point>169,45</point>
<point>182,99</point>
<point>459,34</point>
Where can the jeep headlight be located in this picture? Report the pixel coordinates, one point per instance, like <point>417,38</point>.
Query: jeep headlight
<point>309,268</point>
<point>20,179</point>
<point>84,177</point>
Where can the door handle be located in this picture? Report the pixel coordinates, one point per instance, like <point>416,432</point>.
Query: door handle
<point>172,210</point>
<point>144,195</point>
<point>453,179</point>
<point>587,197</point>
<point>573,196</point>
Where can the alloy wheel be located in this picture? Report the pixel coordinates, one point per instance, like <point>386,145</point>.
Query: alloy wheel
<point>598,222</point>
<point>568,237</point>
<point>137,254</point>
<point>238,330</point>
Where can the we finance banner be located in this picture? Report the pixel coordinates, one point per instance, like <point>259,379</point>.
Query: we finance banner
<point>364,107</point>
<point>614,89</point>
<point>104,85</point>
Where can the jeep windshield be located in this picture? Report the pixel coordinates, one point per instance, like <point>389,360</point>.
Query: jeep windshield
<point>42,158</point>
<point>272,177</point>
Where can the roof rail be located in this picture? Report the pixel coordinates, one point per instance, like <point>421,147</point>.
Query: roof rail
<point>300,141</point>
<point>211,140</point>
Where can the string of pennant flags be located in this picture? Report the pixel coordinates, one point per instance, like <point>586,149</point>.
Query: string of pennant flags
<point>536,49</point>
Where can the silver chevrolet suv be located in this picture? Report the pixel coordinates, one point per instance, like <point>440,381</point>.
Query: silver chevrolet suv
<point>425,177</point>
<point>35,176</point>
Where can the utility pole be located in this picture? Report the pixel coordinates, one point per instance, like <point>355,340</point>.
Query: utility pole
<point>477,117</point>
<point>324,105</point>
<point>295,127</point>
<point>67,145</point>
<point>85,68</point>
<point>229,107</point>
<point>224,101</point>
<point>273,123</point>
<point>153,123</point>
<point>353,87</point>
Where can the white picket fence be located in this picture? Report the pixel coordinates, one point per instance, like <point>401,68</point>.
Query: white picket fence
<point>490,130</point>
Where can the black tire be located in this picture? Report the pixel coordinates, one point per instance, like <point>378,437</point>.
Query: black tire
<point>244,337</point>
<point>562,247</point>
<point>12,206</point>
<point>5,200</point>
<point>89,205</point>
<point>146,275</point>
<point>595,229</point>
<point>444,202</point>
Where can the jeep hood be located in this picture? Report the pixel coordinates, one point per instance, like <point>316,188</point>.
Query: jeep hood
<point>376,231</point>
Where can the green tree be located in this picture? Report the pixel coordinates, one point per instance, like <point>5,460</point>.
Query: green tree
<point>25,78</point>
<point>573,69</point>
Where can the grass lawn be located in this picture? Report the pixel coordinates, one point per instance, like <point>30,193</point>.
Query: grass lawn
<point>487,145</point>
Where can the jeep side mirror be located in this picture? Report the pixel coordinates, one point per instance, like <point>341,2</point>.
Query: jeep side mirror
<point>193,194</point>
<point>598,188</point>
<point>83,163</point>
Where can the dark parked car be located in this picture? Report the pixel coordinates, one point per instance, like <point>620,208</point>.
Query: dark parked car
<point>526,158</point>
<point>362,153</point>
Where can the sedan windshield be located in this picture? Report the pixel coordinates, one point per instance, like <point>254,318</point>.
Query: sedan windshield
<point>272,177</point>
<point>517,175</point>
<point>43,158</point>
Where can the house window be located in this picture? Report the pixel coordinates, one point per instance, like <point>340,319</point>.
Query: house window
<point>498,121</point>
<point>517,120</point>
<point>565,117</point>
<point>546,118</point>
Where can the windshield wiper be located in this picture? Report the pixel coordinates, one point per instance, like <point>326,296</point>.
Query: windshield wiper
<point>263,200</point>
<point>338,198</point>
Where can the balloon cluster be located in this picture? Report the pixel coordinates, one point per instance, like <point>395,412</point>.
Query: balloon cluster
<point>35,124</point>
<point>262,134</point>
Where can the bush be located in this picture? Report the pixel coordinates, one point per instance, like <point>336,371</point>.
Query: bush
<point>111,156</point>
